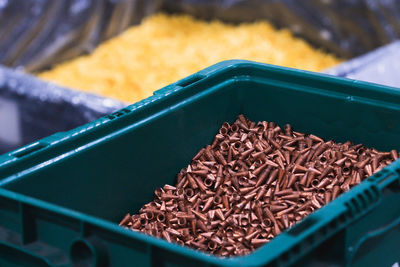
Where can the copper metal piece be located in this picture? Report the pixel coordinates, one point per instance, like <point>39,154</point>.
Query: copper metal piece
<point>225,202</point>
<point>284,192</point>
<point>310,178</point>
<point>200,172</point>
<point>315,202</point>
<point>321,190</point>
<point>280,162</point>
<point>271,163</point>
<point>259,242</point>
<point>315,183</point>
<point>212,245</point>
<point>193,199</point>
<point>172,231</point>
<point>169,187</point>
<point>294,196</point>
<point>199,154</point>
<point>350,155</point>
<point>270,214</point>
<point>335,191</point>
<point>259,212</point>
<point>285,220</point>
<point>249,196</point>
<point>126,220</point>
<point>193,225</point>
<point>198,245</point>
<point>276,208</point>
<point>191,180</point>
<point>375,163</point>
<point>260,193</point>
<point>276,230</point>
<point>160,217</point>
<point>219,214</point>
<point>299,168</point>
<point>180,242</point>
<point>207,205</point>
<point>201,216</point>
<point>252,235</point>
<point>285,211</point>
<point>217,200</point>
<point>136,225</point>
<point>394,154</point>
<point>200,184</point>
<point>260,169</point>
<point>234,128</point>
<point>211,214</point>
<point>226,125</point>
<point>361,164</point>
<point>220,158</point>
<point>246,153</point>
<point>291,180</point>
<point>324,183</point>
<point>207,235</point>
<point>180,192</point>
<point>301,159</point>
<point>149,215</point>
<point>272,176</point>
<point>325,172</point>
<point>309,209</point>
<point>166,236</point>
<point>182,221</point>
<point>189,192</point>
<point>315,138</point>
<point>230,155</point>
<point>283,179</point>
<point>244,221</point>
<point>262,177</point>
<point>368,169</point>
<point>327,197</point>
<point>275,144</point>
<point>321,148</point>
<point>341,161</point>
<point>200,224</point>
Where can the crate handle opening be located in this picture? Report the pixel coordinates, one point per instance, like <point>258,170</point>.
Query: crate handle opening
<point>81,252</point>
<point>301,227</point>
<point>29,150</point>
<point>88,252</point>
<point>190,80</point>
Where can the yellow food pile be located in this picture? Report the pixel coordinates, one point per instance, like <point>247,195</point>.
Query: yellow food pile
<point>166,48</point>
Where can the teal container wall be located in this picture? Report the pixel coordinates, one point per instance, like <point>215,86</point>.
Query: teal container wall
<point>62,197</point>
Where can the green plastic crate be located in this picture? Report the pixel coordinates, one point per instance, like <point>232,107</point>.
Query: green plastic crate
<point>62,197</point>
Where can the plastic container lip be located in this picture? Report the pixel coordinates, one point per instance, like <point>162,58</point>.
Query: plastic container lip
<point>248,260</point>
<point>165,94</point>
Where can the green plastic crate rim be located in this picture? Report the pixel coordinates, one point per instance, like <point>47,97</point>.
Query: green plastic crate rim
<point>45,222</point>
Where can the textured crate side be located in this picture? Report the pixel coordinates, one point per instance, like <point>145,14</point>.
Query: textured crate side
<point>54,235</point>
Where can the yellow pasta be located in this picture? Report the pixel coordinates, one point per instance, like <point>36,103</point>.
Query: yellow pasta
<point>166,48</point>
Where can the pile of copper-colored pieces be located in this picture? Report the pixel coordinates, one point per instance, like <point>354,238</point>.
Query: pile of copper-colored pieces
<point>253,182</point>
